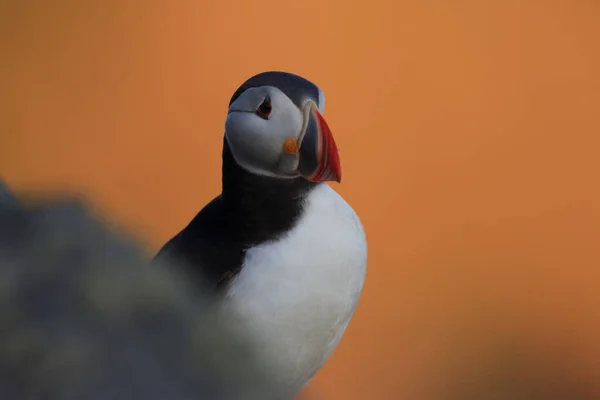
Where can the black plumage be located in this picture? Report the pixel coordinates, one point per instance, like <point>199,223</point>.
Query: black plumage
<point>250,210</point>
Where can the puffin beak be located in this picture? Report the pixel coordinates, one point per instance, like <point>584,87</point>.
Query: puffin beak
<point>319,158</point>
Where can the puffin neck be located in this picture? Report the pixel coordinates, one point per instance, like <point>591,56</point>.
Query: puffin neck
<point>262,208</point>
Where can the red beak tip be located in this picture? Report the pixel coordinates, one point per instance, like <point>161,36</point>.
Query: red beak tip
<point>332,170</point>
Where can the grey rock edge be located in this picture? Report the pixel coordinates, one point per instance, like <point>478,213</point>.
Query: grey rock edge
<point>84,316</point>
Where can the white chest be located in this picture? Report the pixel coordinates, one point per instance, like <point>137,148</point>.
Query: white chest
<point>299,293</point>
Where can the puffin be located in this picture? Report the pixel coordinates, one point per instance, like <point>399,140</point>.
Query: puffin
<point>278,246</point>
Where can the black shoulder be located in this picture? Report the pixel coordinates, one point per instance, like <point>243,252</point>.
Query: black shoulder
<point>207,246</point>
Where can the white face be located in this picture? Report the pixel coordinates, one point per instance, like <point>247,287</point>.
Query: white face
<point>256,135</point>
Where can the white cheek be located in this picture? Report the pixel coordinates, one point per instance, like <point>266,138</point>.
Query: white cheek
<point>285,123</point>
<point>251,142</point>
<point>257,144</point>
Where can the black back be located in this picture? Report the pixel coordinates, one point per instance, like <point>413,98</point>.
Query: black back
<point>251,209</point>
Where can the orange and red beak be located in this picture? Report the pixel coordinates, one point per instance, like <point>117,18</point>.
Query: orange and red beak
<point>319,158</point>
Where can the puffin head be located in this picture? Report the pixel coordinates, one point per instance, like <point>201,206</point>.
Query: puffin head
<point>275,128</point>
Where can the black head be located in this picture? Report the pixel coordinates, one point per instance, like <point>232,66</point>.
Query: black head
<point>275,128</point>
<point>295,87</point>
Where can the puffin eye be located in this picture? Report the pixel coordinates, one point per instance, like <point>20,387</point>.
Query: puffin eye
<point>264,110</point>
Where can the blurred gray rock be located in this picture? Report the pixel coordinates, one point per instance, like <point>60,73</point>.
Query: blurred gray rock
<point>84,316</point>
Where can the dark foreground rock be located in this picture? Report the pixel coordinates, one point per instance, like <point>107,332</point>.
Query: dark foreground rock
<point>83,316</point>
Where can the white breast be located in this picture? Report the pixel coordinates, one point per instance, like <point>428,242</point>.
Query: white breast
<point>299,292</point>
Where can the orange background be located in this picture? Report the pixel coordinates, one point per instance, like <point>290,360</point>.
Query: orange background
<point>469,135</point>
